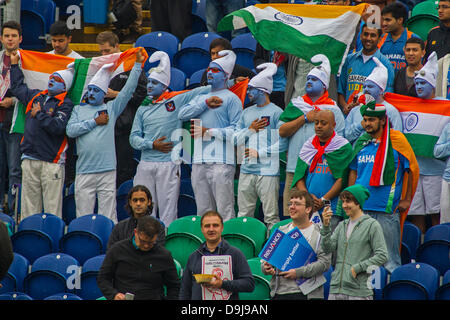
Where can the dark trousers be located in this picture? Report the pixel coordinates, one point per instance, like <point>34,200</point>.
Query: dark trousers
<point>290,296</point>
<point>172,16</point>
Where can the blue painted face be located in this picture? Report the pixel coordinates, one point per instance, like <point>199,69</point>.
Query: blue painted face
<point>55,85</point>
<point>314,87</point>
<point>155,88</point>
<point>215,76</point>
<point>256,96</point>
<point>372,88</point>
<point>424,89</point>
<point>95,95</point>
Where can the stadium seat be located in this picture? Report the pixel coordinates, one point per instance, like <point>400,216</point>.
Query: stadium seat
<point>261,291</point>
<point>87,237</point>
<point>36,17</point>
<point>243,242</point>
<point>248,226</point>
<point>422,24</point>
<point>158,41</point>
<point>187,224</point>
<point>186,205</point>
<point>38,235</point>
<point>49,275</point>
<point>411,237</point>
<point>15,296</point>
<point>435,250</point>
<point>244,45</point>
<point>443,292</point>
<point>177,80</point>
<point>88,286</point>
<point>437,232</point>
<point>13,280</point>
<point>195,79</point>
<point>255,267</point>
<point>8,220</point>
<point>194,53</point>
<point>413,281</point>
<point>405,254</point>
<point>182,245</point>
<point>379,281</point>
<point>121,201</point>
<point>63,296</point>
<point>198,16</point>
<point>125,187</point>
<point>279,224</point>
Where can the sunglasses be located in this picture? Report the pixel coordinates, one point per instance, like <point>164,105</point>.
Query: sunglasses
<point>213,70</point>
<point>56,78</point>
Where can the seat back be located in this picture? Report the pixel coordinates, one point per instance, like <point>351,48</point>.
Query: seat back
<point>121,201</point>
<point>200,40</point>
<point>51,224</point>
<point>187,224</point>
<point>125,187</point>
<point>45,8</point>
<point>93,264</point>
<point>181,246</point>
<point>435,253</point>
<point>8,220</point>
<point>159,41</point>
<point>243,243</point>
<point>63,296</point>
<point>244,41</point>
<point>15,296</point>
<point>261,291</point>
<point>195,79</point>
<point>94,223</point>
<point>438,232</point>
<point>411,237</point>
<point>255,267</point>
<point>177,80</point>
<point>19,270</point>
<point>248,226</point>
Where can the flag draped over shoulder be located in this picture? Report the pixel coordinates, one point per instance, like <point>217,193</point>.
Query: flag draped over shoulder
<point>38,66</point>
<point>301,30</point>
<point>299,106</point>
<point>423,120</point>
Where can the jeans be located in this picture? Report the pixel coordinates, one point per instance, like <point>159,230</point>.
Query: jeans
<point>217,9</point>
<point>390,223</point>
<point>9,162</point>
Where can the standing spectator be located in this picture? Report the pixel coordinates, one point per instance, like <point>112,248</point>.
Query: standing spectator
<point>395,35</point>
<point>358,243</point>
<point>442,150</point>
<point>373,88</point>
<point>140,266</point>
<point>404,78</point>
<point>92,124</point>
<point>139,204</point>
<point>358,66</point>
<point>297,120</point>
<point>61,37</point>
<point>426,200</point>
<point>173,16</point>
<point>258,129</point>
<point>10,170</point>
<point>130,33</point>
<point>235,268</point>
<point>213,165</point>
<point>126,165</point>
<point>217,9</point>
<point>44,140</point>
<point>438,39</point>
<point>154,126</point>
<point>322,163</point>
<point>215,47</point>
<point>385,164</point>
<point>283,284</point>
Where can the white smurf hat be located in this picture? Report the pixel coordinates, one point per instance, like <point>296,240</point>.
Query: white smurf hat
<point>379,74</point>
<point>102,77</point>
<point>162,71</point>
<point>429,71</point>
<point>67,75</point>
<point>263,80</point>
<point>323,71</point>
<point>226,61</point>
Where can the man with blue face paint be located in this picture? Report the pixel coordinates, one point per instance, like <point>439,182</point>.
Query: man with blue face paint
<point>156,129</point>
<point>297,120</point>
<point>257,131</point>
<point>374,85</point>
<point>426,200</point>
<point>213,166</point>
<point>92,124</point>
<point>44,141</point>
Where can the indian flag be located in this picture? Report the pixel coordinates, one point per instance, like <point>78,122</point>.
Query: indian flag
<point>301,30</point>
<point>423,120</point>
<point>38,66</point>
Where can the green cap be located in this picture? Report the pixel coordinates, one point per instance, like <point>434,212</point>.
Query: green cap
<point>372,109</point>
<point>360,192</point>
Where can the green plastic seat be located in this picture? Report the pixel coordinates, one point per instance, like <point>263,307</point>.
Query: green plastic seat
<point>279,224</point>
<point>255,267</point>
<point>425,7</point>
<point>187,224</point>
<point>247,226</point>
<point>182,245</point>
<point>243,242</point>
<point>261,292</point>
<point>422,24</point>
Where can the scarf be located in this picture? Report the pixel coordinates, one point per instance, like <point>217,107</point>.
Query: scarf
<point>320,150</point>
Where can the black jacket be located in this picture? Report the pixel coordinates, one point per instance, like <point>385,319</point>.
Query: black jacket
<point>143,273</point>
<point>438,40</point>
<point>400,86</point>
<point>125,121</point>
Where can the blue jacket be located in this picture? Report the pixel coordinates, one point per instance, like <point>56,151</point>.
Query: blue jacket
<point>44,136</point>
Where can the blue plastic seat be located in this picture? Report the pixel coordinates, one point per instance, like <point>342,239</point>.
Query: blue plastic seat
<point>121,201</point>
<point>194,52</point>
<point>125,187</point>
<point>64,296</point>
<point>158,41</point>
<point>38,235</point>
<point>411,237</point>
<point>15,296</point>
<point>36,17</point>
<point>89,289</point>
<point>435,250</point>
<point>195,79</point>
<point>443,292</point>
<point>198,16</point>
<point>9,220</point>
<point>13,280</point>
<point>438,232</point>
<point>50,274</point>
<point>244,45</point>
<point>177,80</point>
<point>413,281</point>
<point>186,205</point>
<point>245,230</point>
<point>87,237</point>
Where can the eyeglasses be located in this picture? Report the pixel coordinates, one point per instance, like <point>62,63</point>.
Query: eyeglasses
<point>444,7</point>
<point>145,242</point>
<point>213,70</point>
<point>297,204</point>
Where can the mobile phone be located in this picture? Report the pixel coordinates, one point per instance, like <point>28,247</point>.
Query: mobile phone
<point>103,112</point>
<point>326,203</point>
<point>129,296</point>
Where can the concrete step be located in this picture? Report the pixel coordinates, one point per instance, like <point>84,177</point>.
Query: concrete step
<point>97,29</point>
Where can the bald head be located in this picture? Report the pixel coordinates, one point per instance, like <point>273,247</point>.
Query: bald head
<point>324,125</point>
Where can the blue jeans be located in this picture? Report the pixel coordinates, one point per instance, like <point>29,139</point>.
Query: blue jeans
<point>390,223</point>
<point>9,162</point>
<point>217,9</point>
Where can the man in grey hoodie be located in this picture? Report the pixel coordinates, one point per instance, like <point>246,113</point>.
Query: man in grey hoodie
<point>359,245</point>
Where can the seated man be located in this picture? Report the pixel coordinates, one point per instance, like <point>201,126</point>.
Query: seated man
<point>139,204</point>
<point>283,284</point>
<point>94,133</point>
<point>322,165</point>
<point>139,266</point>
<point>44,142</point>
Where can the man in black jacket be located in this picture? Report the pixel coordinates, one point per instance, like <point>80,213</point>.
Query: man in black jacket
<point>126,166</point>
<point>438,39</point>
<point>139,266</point>
<point>139,204</point>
